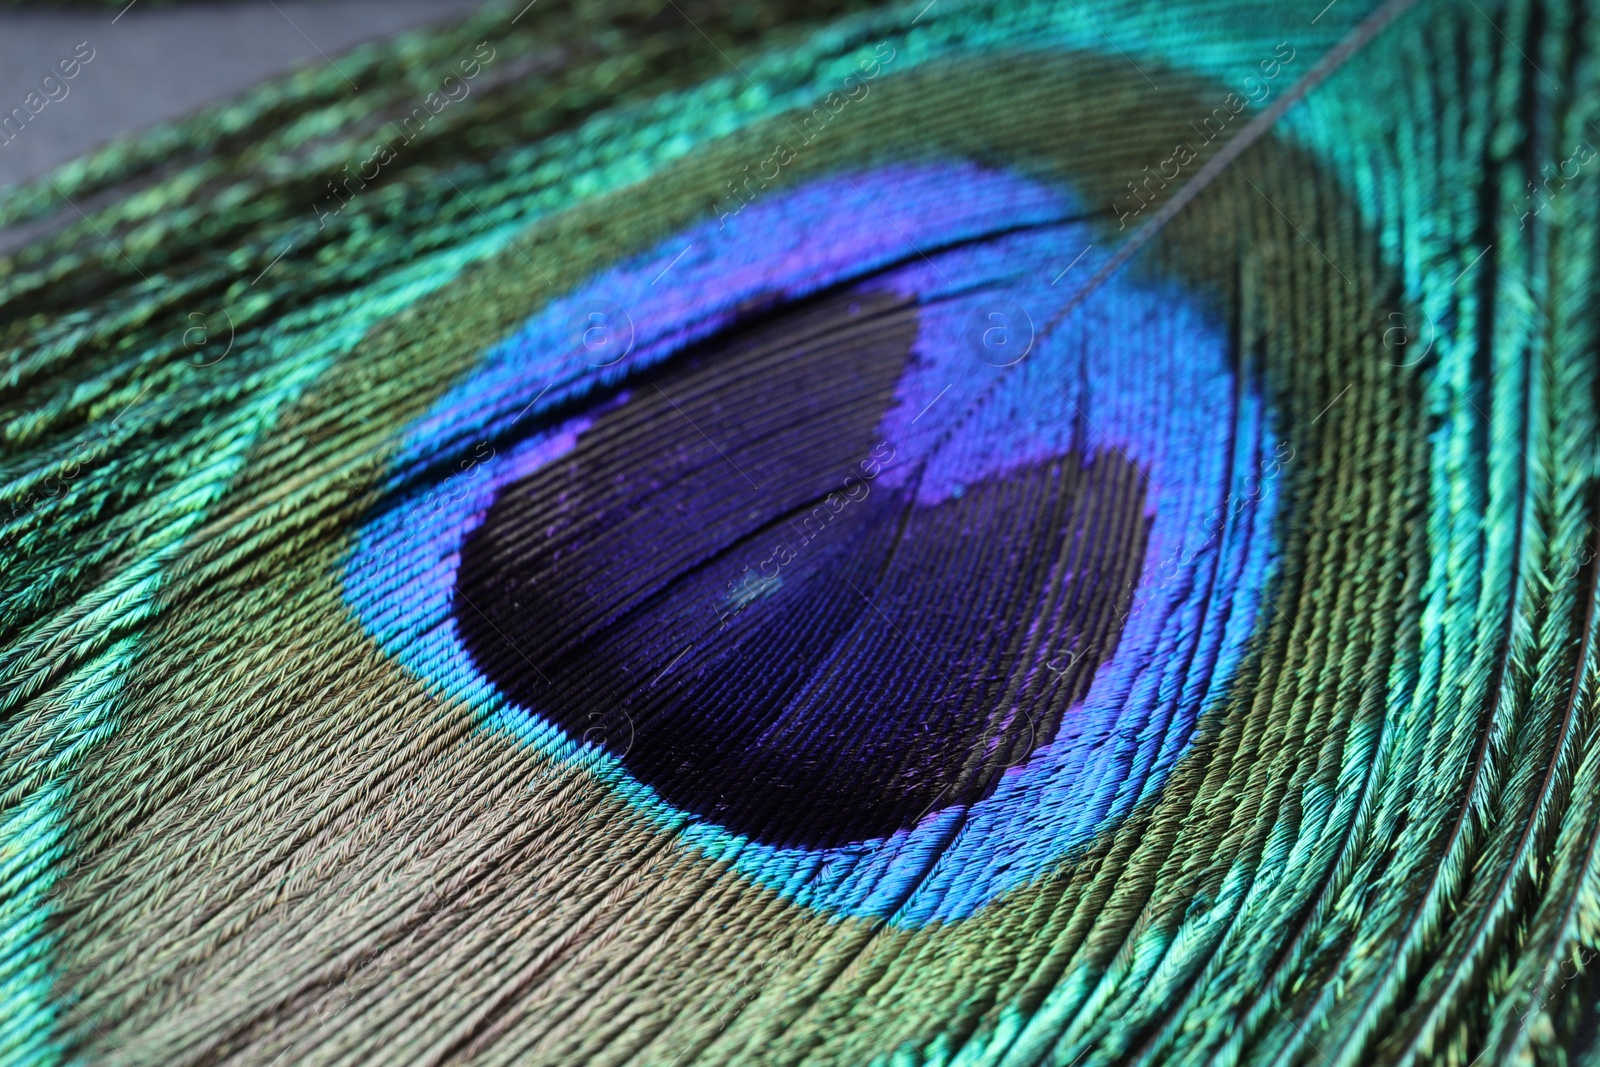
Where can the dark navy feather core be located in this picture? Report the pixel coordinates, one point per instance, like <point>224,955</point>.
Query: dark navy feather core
<point>711,584</point>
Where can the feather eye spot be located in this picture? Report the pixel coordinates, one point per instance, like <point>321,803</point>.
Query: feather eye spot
<point>819,555</point>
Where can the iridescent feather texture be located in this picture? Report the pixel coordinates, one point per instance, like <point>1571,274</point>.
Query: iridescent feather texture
<point>966,533</point>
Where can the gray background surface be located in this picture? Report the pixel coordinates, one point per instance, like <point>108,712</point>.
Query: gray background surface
<point>152,63</point>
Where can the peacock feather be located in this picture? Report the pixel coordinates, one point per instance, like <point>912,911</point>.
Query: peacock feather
<point>978,532</point>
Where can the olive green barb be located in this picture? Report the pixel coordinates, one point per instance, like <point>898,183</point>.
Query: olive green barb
<point>268,368</point>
